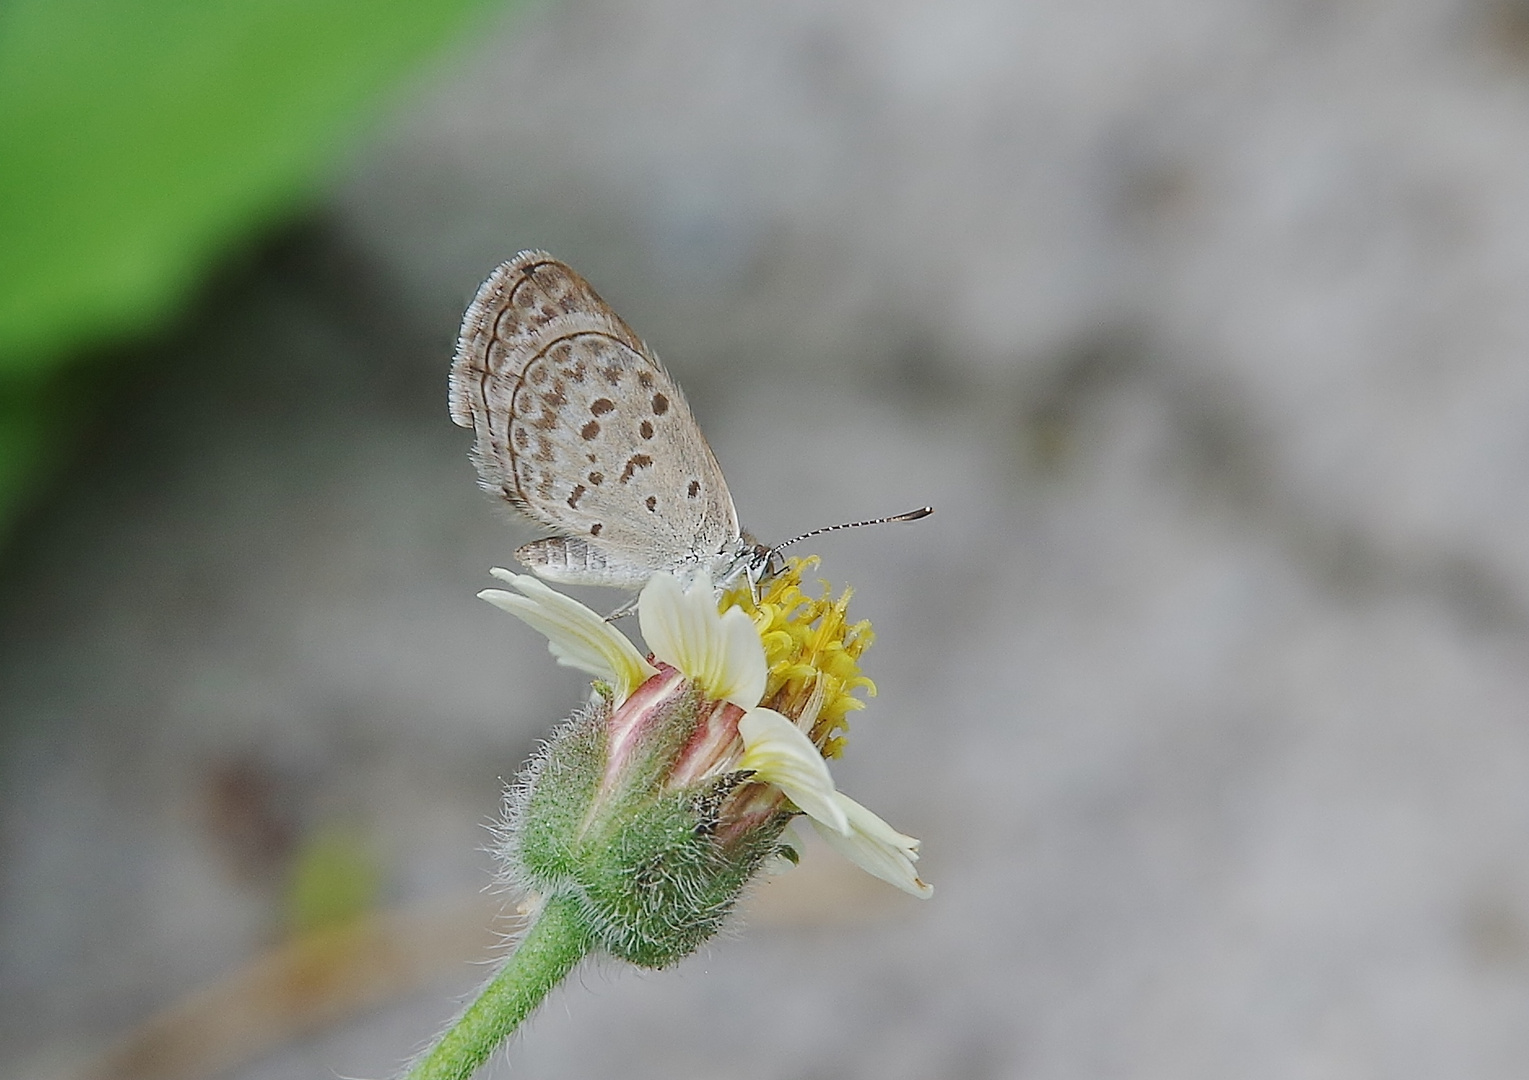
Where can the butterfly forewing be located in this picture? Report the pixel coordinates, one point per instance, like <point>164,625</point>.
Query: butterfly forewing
<point>579,426</point>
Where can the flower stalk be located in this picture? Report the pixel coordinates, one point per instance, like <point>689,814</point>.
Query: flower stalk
<point>556,940</point>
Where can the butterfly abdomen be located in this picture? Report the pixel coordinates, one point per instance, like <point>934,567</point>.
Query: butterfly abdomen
<point>568,560</point>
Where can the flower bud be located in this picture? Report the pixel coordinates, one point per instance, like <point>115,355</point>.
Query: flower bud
<point>655,864</point>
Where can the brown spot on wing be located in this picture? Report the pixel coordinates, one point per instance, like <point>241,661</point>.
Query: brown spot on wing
<point>651,502</point>
<point>646,429</point>
<point>578,493</point>
<point>594,530</point>
<point>694,489</point>
<point>633,463</point>
<point>660,404</point>
<point>601,406</point>
<point>590,430</point>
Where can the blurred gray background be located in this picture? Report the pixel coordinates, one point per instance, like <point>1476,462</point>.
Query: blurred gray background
<point>1202,325</point>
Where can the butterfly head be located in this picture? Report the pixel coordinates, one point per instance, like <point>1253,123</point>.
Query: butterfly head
<point>750,560</point>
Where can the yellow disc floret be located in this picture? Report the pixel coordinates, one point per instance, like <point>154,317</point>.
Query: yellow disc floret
<point>812,650</point>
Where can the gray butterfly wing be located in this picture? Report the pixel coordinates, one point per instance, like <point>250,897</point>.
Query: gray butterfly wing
<point>580,427</point>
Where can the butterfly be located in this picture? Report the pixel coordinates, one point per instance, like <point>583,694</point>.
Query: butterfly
<point>579,427</point>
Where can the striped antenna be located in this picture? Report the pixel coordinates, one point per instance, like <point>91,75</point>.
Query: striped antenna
<point>911,515</point>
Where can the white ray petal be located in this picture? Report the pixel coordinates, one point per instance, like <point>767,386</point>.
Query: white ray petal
<point>719,652</point>
<point>876,847</point>
<point>779,753</point>
<point>577,636</point>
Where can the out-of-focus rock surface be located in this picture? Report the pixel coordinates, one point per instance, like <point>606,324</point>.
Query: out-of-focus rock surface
<point>1203,326</point>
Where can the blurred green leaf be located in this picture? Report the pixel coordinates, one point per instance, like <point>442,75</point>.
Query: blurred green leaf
<point>139,138</point>
<point>29,420</point>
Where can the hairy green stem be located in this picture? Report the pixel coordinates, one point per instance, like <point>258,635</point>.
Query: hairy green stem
<point>555,942</point>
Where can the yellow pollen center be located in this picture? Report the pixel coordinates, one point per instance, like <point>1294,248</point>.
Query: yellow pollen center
<point>809,645</point>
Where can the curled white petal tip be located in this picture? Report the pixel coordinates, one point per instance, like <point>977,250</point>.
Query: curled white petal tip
<point>719,652</point>
<point>576,636</point>
<point>877,848</point>
<point>779,753</point>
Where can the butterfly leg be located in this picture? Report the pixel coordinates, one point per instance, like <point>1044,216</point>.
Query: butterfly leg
<point>625,609</point>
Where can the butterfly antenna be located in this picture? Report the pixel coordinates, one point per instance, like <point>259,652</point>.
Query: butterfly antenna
<point>911,515</point>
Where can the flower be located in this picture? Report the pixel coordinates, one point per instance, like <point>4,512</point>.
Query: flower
<point>738,707</point>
